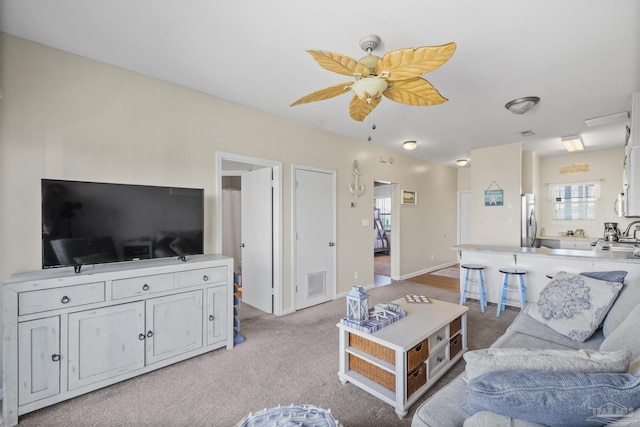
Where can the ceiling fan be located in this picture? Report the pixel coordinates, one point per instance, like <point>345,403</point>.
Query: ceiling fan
<point>396,76</point>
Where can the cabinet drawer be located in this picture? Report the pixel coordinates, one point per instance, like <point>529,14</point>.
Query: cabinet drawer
<point>455,326</point>
<point>125,288</point>
<point>438,338</point>
<point>416,379</point>
<point>437,361</point>
<point>417,355</point>
<point>56,298</point>
<point>202,276</point>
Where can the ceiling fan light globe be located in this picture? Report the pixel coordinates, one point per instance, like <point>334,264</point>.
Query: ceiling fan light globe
<point>369,88</point>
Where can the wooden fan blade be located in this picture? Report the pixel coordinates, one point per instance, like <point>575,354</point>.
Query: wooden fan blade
<point>416,91</point>
<point>359,109</point>
<point>336,62</point>
<point>408,63</point>
<point>325,93</point>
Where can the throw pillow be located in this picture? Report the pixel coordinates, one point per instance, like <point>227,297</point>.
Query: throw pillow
<point>554,398</point>
<point>608,276</point>
<point>626,336</point>
<point>627,300</point>
<point>574,305</point>
<point>480,362</point>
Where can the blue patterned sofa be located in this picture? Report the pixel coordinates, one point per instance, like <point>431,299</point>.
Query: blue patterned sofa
<point>545,370</point>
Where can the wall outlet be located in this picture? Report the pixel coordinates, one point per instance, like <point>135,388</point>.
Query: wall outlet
<point>433,257</point>
<point>355,275</point>
<point>365,222</point>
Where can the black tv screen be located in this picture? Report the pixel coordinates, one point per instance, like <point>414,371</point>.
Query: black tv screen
<point>95,223</point>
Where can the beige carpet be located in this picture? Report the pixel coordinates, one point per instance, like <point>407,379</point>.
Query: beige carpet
<point>382,265</point>
<point>286,359</point>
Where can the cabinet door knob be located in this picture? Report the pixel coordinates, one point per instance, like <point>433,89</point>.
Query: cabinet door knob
<point>145,287</point>
<point>439,338</point>
<point>205,278</point>
<point>211,317</point>
<point>65,299</point>
<point>439,359</point>
<point>55,357</point>
<point>141,337</point>
<point>149,334</point>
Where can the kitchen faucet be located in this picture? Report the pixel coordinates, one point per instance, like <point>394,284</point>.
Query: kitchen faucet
<point>626,231</point>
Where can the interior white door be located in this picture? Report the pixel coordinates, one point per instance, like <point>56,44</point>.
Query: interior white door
<point>464,217</point>
<point>315,215</point>
<point>257,239</point>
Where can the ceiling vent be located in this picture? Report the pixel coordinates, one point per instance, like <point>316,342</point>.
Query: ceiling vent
<point>527,133</point>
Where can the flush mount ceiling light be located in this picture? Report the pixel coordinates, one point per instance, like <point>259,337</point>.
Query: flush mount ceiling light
<point>573,143</point>
<point>410,145</point>
<point>522,105</point>
<point>462,162</point>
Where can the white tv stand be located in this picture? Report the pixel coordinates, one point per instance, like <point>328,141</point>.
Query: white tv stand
<point>74,333</point>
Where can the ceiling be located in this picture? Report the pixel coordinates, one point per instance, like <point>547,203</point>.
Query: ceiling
<point>581,57</point>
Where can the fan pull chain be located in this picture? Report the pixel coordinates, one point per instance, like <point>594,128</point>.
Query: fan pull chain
<point>373,127</point>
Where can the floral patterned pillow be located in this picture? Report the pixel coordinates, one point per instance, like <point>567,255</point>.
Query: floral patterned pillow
<point>575,305</point>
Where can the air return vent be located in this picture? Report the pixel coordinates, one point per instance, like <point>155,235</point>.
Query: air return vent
<point>316,284</point>
<point>527,133</point>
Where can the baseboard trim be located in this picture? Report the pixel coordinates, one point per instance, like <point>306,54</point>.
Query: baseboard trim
<point>427,270</point>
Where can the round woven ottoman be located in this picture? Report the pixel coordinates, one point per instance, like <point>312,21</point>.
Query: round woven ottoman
<point>290,416</point>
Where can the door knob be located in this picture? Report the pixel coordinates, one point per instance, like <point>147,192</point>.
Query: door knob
<point>331,244</point>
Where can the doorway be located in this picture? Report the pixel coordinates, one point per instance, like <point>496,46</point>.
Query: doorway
<point>382,226</point>
<point>257,252</point>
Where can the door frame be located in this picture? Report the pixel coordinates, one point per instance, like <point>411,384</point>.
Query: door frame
<point>294,243</point>
<point>276,166</point>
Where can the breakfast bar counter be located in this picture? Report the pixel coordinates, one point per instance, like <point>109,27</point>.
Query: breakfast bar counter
<point>540,264</point>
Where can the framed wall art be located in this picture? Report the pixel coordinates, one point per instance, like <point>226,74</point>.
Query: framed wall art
<point>409,197</point>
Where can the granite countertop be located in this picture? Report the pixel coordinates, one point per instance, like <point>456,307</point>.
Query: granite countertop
<point>624,256</point>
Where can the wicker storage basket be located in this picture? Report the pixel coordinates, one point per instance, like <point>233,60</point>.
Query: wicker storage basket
<point>381,352</point>
<point>417,355</point>
<point>455,346</point>
<point>416,379</point>
<point>455,326</point>
<point>374,373</point>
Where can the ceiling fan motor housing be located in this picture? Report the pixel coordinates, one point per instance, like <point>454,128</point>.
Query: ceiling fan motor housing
<point>369,43</point>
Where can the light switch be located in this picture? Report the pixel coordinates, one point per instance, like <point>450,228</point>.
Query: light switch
<point>365,222</point>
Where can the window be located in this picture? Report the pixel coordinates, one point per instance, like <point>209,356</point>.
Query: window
<point>384,208</point>
<point>575,202</point>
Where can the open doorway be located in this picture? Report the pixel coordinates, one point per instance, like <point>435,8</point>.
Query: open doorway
<point>382,220</point>
<point>257,246</point>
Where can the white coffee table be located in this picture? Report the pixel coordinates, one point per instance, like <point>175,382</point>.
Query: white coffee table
<point>400,362</point>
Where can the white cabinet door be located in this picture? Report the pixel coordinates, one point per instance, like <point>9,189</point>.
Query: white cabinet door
<point>39,356</point>
<point>105,342</point>
<point>216,314</point>
<point>174,325</point>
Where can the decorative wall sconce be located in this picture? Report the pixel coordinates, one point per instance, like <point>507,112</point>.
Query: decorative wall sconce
<point>355,188</point>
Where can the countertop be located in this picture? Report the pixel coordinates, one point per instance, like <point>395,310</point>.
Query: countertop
<point>623,256</point>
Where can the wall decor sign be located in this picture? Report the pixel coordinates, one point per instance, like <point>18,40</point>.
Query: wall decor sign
<point>409,197</point>
<point>493,196</point>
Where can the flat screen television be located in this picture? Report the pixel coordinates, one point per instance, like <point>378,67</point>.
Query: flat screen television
<point>95,223</point>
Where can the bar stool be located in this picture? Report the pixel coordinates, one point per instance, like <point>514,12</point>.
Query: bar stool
<point>506,273</point>
<point>483,295</point>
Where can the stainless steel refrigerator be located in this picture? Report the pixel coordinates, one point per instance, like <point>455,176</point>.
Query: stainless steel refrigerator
<point>529,225</point>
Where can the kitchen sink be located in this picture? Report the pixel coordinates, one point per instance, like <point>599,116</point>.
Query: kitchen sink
<point>615,246</point>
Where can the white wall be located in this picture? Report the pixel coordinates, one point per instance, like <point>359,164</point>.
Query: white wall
<point>68,117</point>
<point>492,168</point>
